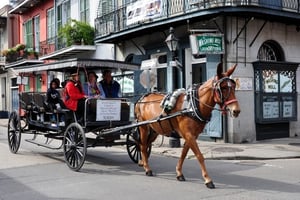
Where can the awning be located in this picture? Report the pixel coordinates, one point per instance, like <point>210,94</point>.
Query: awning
<point>66,65</point>
<point>68,52</point>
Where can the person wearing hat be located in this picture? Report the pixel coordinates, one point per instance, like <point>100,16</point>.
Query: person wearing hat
<point>91,88</point>
<point>109,88</point>
<point>74,95</point>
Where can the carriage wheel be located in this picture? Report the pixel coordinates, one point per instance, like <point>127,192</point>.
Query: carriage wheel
<point>75,146</point>
<point>133,147</point>
<point>14,132</point>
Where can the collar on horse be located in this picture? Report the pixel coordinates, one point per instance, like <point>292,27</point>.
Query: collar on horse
<point>192,97</point>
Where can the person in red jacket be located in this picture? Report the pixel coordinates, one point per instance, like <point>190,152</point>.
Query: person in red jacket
<point>74,95</point>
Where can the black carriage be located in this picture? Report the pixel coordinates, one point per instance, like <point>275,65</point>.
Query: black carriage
<point>106,122</point>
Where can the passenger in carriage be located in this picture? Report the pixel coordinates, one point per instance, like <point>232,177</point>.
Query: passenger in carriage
<point>109,88</point>
<point>54,100</point>
<point>74,98</point>
<point>91,87</point>
<point>53,96</point>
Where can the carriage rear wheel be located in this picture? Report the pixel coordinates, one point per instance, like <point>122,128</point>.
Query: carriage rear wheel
<point>75,146</point>
<point>133,147</point>
<point>14,132</point>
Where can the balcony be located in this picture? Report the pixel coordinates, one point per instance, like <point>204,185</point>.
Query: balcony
<point>126,20</point>
<point>57,48</point>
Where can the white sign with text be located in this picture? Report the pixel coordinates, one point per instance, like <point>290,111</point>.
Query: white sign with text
<point>108,110</point>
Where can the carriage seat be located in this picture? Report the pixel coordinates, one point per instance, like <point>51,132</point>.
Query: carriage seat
<point>39,104</point>
<point>26,100</point>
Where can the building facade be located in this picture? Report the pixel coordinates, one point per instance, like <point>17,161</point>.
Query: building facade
<point>260,36</point>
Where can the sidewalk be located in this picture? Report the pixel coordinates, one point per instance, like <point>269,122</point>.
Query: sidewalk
<point>265,149</point>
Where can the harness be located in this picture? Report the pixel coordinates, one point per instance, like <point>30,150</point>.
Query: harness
<point>192,101</point>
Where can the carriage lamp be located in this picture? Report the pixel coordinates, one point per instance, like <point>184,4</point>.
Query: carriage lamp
<point>172,42</point>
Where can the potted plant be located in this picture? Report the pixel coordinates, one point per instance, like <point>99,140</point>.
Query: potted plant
<point>31,54</point>
<point>77,32</point>
<point>20,49</point>
<point>11,55</point>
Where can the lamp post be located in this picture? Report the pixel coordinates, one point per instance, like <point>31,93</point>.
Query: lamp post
<point>172,43</point>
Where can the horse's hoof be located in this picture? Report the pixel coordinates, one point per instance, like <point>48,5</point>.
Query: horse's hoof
<point>180,178</point>
<point>210,185</point>
<point>149,173</point>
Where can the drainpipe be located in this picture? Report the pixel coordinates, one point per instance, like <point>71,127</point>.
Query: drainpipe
<point>224,118</point>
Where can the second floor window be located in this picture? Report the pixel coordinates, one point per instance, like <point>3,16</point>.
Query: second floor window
<point>50,24</point>
<point>28,34</point>
<point>84,11</point>
<point>63,13</point>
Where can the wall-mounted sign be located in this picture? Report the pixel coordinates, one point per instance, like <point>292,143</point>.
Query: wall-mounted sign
<point>142,10</point>
<point>207,44</point>
<point>243,83</point>
<point>22,80</point>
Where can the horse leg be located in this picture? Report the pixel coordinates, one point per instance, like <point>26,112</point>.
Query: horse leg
<point>144,146</point>
<point>184,152</point>
<point>194,146</point>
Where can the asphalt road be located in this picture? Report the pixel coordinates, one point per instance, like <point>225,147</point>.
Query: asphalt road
<point>108,173</point>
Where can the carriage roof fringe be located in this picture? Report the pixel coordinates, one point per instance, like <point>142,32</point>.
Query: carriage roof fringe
<point>77,62</point>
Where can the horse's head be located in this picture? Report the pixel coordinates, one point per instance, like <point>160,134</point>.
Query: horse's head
<point>224,91</point>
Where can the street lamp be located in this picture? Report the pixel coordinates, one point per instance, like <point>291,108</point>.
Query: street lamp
<point>172,43</point>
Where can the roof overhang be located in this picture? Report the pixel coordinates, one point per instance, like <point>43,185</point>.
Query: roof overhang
<point>65,65</point>
<point>68,52</point>
<point>24,6</point>
<point>23,63</point>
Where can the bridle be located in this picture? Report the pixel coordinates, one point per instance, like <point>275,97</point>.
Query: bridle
<point>219,97</point>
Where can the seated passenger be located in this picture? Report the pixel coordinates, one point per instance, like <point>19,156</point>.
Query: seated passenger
<point>91,88</point>
<point>74,96</point>
<point>109,88</point>
<point>53,96</point>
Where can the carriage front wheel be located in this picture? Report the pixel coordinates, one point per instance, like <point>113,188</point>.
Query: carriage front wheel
<point>14,132</point>
<point>133,147</point>
<point>75,146</point>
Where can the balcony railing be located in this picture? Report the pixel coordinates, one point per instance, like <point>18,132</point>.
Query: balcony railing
<point>51,45</point>
<point>121,19</point>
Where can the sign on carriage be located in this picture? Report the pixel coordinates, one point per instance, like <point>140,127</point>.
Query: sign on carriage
<point>108,110</point>
<point>207,44</point>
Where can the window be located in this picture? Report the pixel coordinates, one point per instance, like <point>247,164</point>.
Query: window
<point>84,11</point>
<point>50,25</point>
<point>63,14</point>
<point>275,85</point>
<point>275,96</point>
<point>28,34</point>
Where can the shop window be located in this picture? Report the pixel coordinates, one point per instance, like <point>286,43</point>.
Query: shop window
<point>275,85</point>
<point>275,91</point>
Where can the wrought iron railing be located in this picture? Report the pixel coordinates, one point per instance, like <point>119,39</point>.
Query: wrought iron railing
<point>117,20</point>
<point>51,45</point>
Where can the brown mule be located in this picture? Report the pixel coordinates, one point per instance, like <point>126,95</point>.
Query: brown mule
<point>201,100</point>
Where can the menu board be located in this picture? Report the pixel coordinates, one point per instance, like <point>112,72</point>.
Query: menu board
<point>270,110</point>
<point>108,110</point>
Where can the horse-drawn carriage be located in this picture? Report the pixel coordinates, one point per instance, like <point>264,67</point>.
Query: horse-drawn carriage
<point>106,120</point>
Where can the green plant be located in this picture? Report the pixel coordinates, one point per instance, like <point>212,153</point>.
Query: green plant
<point>77,32</point>
<point>20,47</point>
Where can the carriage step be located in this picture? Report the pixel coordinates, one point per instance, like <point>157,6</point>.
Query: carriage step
<point>43,144</point>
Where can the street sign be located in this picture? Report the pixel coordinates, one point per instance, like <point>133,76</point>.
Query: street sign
<point>207,44</point>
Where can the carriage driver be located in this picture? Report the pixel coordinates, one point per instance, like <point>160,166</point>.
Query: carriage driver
<point>74,97</point>
<point>109,88</point>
